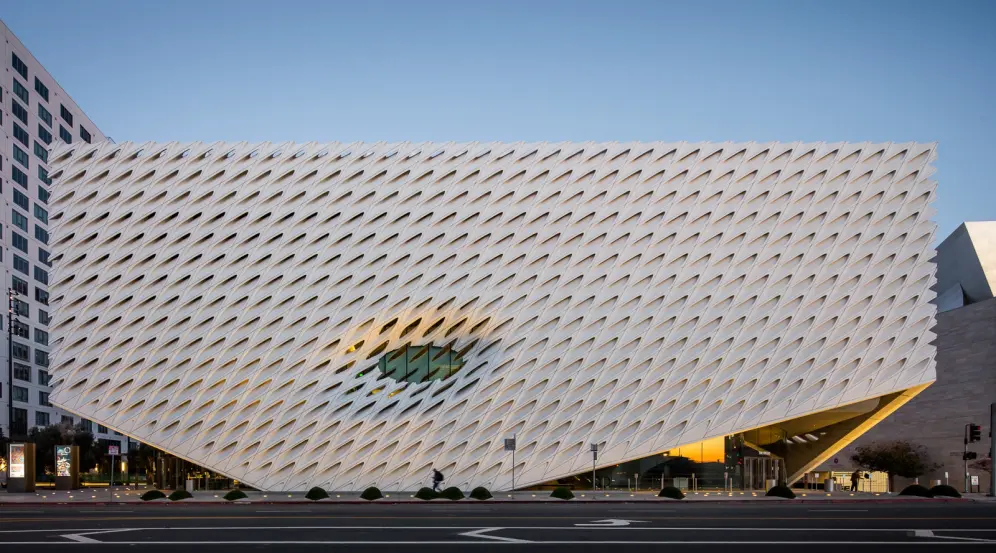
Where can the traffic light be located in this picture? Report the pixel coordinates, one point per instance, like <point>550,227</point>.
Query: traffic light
<point>974,433</point>
<point>970,455</point>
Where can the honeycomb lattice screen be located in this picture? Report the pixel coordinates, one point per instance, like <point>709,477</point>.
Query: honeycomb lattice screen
<point>230,302</point>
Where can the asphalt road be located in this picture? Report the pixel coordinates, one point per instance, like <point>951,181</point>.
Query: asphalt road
<point>466,526</point>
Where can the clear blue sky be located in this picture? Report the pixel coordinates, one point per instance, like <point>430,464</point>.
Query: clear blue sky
<point>537,70</point>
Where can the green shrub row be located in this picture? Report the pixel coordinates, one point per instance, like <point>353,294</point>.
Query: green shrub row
<point>781,491</point>
<point>916,490</point>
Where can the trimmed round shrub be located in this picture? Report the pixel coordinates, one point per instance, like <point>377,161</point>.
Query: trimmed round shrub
<point>153,494</point>
<point>179,495</point>
<point>235,495</point>
<point>916,490</point>
<point>480,493</point>
<point>943,490</point>
<point>426,494</point>
<point>372,493</point>
<point>671,492</point>
<point>781,491</point>
<point>562,493</point>
<point>316,493</point>
<point>452,493</point>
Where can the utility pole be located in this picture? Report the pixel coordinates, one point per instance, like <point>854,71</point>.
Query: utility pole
<point>964,457</point>
<point>992,450</point>
<point>11,317</point>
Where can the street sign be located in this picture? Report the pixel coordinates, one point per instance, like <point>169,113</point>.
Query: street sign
<point>509,444</point>
<point>975,479</point>
<point>113,450</point>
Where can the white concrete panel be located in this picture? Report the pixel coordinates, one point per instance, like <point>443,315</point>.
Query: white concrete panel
<point>228,302</point>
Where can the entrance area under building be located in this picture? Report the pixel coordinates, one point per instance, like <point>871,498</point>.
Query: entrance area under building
<point>754,460</point>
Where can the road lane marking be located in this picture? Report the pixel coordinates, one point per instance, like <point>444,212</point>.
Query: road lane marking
<point>608,523</point>
<point>497,542</point>
<point>481,534</point>
<point>838,510</point>
<point>83,537</point>
<point>282,511</point>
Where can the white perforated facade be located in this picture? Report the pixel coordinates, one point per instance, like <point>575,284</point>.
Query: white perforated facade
<point>229,302</point>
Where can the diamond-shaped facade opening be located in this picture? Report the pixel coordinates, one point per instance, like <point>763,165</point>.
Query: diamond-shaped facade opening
<point>420,363</point>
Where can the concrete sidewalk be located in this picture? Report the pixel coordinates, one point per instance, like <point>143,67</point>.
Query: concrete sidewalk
<point>122,495</point>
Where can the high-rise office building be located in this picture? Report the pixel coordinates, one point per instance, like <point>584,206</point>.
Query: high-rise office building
<point>36,113</point>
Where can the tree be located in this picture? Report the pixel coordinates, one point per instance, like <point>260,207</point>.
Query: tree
<point>985,465</point>
<point>898,458</point>
<point>47,437</point>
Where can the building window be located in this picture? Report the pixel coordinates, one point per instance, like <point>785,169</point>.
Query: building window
<point>41,336</point>
<point>19,242</point>
<point>21,156</point>
<point>43,316</point>
<point>21,135</point>
<point>41,89</point>
<point>44,115</point>
<point>21,200</point>
<point>101,429</point>
<point>20,330</point>
<point>20,423</point>
<point>43,399</point>
<point>18,176</point>
<point>20,394</point>
<point>41,418</point>
<point>41,214</point>
<point>43,194</point>
<point>21,308</point>
<point>86,425</point>
<point>44,135</point>
<point>65,135</point>
<point>41,275</point>
<point>19,220</point>
<point>21,92</point>
<point>67,115</point>
<point>41,358</point>
<point>67,419</point>
<point>41,234</point>
<point>18,111</point>
<point>41,296</point>
<point>21,264</point>
<point>43,257</point>
<point>22,352</point>
<point>18,65</point>
<point>85,135</point>
<point>20,286</point>
<point>41,152</point>
<point>22,372</point>
<point>43,175</point>
<point>44,378</point>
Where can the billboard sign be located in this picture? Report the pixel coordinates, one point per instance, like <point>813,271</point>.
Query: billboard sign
<point>17,460</point>
<point>63,460</point>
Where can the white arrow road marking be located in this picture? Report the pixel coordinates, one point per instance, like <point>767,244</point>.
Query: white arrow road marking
<point>82,537</point>
<point>609,522</point>
<point>481,534</point>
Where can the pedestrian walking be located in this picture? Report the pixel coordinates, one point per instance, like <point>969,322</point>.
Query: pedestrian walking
<point>437,479</point>
<point>855,479</point>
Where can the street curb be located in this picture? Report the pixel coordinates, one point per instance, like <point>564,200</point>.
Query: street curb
<point>508,502</point>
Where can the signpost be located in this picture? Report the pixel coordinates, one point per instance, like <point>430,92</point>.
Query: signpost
<point>113,451</point>
<point>510,446</point>
<point>594,457</point>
